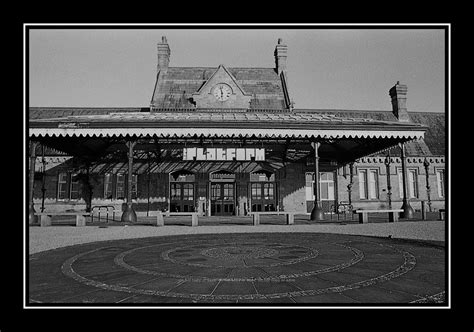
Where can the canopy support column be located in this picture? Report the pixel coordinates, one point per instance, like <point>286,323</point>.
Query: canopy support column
<point>129,214</point>
<point>426,163</point>
<point>408,212</point>
<point>317,212</point>
<point>351,182</point>
<point>389,185</point>
<point>32,219</point>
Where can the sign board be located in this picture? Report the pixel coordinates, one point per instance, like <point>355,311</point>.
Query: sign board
<point>224,154</point>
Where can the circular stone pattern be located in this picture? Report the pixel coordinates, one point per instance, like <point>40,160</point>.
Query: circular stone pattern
<point>237,255</point>
<point>239,252</point>
<point>235,268</point>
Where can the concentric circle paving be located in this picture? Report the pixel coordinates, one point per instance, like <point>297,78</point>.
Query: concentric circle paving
<point>240,268</point>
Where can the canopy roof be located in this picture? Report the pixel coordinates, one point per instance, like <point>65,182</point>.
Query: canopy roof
<point>286,136</point>
<point>220,123</point>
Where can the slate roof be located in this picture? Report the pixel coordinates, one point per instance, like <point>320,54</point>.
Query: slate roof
<point>35,113</point>
<point>174,87</point>
<point>433,143</point>
<point>221,119</point>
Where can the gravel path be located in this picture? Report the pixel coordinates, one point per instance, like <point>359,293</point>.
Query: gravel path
<point>46,238</point>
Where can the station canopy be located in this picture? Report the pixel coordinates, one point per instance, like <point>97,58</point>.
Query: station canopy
<point>286,136</point>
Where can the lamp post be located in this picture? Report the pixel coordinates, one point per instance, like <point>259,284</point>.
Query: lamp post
<point>32,218</point>
<point>351,182</point>
<point>317,212</point>
<point>129,214</point>
<point>428,188</point>
<point>43,189</point>
<point>408,212</point>
<point>389,187</point>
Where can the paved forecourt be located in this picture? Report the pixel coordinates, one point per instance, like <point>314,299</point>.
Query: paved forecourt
<point>258,268</point>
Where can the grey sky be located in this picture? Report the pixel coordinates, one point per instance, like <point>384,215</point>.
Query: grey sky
<point>327,68</point>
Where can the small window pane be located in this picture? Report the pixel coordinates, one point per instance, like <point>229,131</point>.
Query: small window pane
<point>74,190</point>
<point>120,187</point>
<point>62,185</point>
<point>440,180</point>
<point>363,184</point>
<point>108,186</point>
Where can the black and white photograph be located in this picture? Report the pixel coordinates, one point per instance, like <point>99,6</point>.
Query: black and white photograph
<point>236,166</point>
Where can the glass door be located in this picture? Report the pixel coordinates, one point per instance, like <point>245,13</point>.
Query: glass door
<point>222,199</point>
<point>181,197</point>
<point>263,196</point>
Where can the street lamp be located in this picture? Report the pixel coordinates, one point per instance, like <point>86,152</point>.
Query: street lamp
<point>389,187</point>
<point>351,182</point>
<point>43,188</point>
<point>428,188</point>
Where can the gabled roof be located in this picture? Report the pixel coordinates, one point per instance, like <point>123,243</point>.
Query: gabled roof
<point>229,74</point>
<point>175,86</point>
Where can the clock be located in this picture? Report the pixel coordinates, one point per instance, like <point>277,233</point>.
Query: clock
<point>222,92</point>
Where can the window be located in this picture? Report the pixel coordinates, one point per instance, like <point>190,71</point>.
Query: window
<point>256,191</point>
<point>373,184</point>
<point>440,182</point>
<point>268,190</point>
<point>175,191</point>
<point>412,183</point>
<point>74,188</point>
<point>228,191</point>
<point>326,186</point>
<point>368,184</point>
<point>188,192</point>
<point>108,186</point>
<point>62,186</point>
<point>215,191</point>
<point>120,187</point>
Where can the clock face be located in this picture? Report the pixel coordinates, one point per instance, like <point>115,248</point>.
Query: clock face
<point>222,92</point>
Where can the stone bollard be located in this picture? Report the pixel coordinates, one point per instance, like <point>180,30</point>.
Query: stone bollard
<point>159,219</point>
<point>256,219</point>
<point>194,219</point>
<point>45,220</point>
<point>80,220</point>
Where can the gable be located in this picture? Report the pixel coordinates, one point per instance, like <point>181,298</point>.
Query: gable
<point>176,88</point>
<point>208,95</point>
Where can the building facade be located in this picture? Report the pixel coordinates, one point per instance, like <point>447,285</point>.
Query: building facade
<point>228,141</point>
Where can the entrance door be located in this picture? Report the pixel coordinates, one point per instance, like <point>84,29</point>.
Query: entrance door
<point>181,197</point>
<point>263,196</point>
<point>222,199</point>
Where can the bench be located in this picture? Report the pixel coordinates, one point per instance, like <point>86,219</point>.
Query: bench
<point>290,216</point>
<point>45,217</point>
<point>364,215</point>
<point>161,222</point>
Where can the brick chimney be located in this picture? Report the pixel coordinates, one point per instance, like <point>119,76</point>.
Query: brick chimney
<point>399,102</point>
<point>280,56</point>
<point>163,54</point>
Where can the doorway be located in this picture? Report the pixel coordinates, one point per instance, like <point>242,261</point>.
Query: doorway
<point>262,191</point>
<point>222,199</point>
<point>182,189</point>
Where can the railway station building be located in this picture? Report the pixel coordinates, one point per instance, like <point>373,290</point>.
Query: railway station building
<point>228,141</point>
